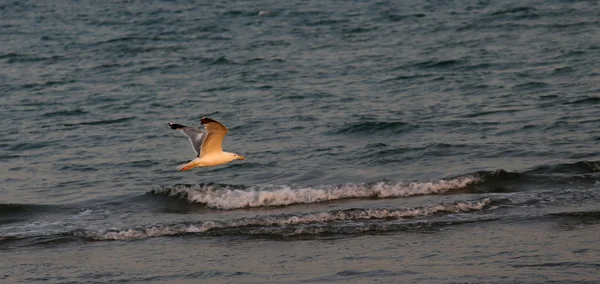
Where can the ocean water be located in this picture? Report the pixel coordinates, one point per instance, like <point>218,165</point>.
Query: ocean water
<point>423,141</point>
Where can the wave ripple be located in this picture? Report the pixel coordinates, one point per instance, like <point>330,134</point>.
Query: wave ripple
<point>284,224</point>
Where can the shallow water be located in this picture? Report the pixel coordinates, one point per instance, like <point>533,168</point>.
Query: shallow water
<point>419,141</point>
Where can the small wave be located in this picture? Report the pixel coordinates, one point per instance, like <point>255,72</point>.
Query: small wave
<point>286,224</point>
<point>498,175</point>
<point>412,76</point>
<point>585,100</point>
<point>8,157</point>
<point>401,17</point>
<point>222,60</point>
<point>357,30</point>
<point>514,10</point>
<point>65,113</point>
<point>102,122</point>
<point>234,13</point>
<point>20,58</point>
<point>583,214</point>
<point>581,167</point>
<point>219,196</point>
<point>491,112</point>
<point>324,22</point>
<point>20,147</point>
<point>563,70</point>
<point>141,163</point>
<point>565,264</point>
<point>576,168</point>
<point>438,63</point>
<point>530,86</point>
<point>376,126</point>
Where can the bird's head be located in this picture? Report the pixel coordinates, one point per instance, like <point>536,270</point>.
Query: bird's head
<point>238,157</point>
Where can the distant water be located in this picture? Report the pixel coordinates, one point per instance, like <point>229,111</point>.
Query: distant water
<point>386,141</point>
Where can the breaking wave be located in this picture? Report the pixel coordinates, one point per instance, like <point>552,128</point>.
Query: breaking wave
<point>220,196</point>
<point>333,222</point>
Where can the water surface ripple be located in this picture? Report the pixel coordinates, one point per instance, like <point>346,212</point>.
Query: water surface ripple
<point>397,141</point>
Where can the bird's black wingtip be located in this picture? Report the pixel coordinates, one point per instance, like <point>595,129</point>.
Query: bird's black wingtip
<point>175,125</point>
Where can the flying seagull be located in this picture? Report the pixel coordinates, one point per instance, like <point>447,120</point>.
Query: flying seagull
<point>207,143</point>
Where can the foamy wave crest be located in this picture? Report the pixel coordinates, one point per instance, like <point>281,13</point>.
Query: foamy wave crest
<point>286,224</point>
<point>232,197</point>
<point>146,232</point>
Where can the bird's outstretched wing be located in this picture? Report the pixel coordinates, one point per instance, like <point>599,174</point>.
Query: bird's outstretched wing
<point>196,136</point>
<point>215,133</point>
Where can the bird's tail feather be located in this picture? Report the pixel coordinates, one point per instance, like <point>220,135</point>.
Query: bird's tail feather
<point>192,164</point>
<point>185,167</point>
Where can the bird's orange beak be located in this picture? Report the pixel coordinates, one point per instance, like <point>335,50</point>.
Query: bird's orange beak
<point>241,158</point>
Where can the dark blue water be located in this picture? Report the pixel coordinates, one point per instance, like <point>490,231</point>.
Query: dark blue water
<point>391,141</point>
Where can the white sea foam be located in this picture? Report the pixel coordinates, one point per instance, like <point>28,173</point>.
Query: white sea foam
<point>275,223</point>
<point>152,231</point>
<point>225,197</point>
<point>360,214</point>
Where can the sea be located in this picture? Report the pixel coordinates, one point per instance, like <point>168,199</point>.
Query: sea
<point>415,141</point>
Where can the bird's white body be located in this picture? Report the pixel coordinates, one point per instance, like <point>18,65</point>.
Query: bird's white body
<point>207,144</point>
<point>214,159</point>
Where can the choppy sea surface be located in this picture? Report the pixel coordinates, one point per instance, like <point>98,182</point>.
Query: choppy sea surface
<point>385,141</point>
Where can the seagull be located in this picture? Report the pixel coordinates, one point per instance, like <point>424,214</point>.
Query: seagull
<point>207,144</point>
